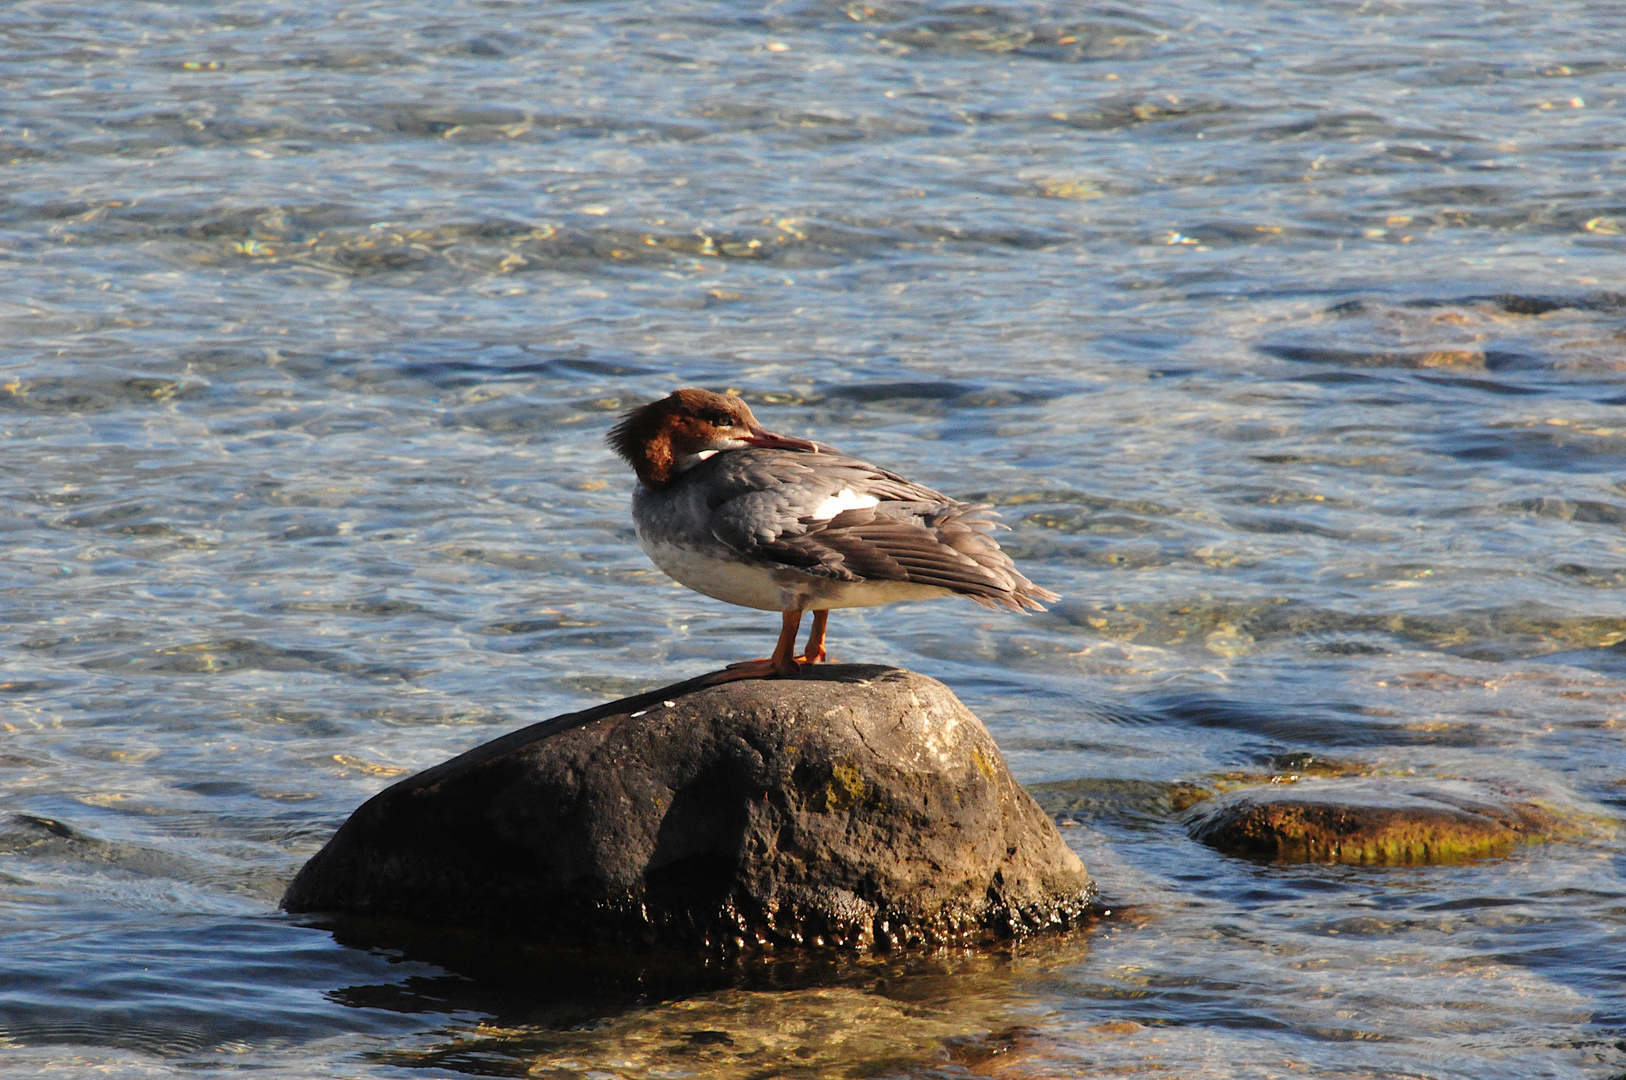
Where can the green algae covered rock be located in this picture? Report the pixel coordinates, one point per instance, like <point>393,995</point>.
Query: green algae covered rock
<point>1381,821</point>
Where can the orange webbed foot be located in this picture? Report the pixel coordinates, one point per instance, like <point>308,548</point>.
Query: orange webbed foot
<point>782,664</point>
<point>753,669</point>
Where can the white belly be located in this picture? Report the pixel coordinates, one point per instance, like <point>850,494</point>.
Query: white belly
<point>732,582</point>
<point>769,589</point>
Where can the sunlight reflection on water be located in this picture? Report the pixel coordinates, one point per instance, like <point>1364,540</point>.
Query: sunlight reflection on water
<point>1288,341</point>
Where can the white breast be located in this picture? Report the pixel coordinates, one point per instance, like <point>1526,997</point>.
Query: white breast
<point>729,580</point>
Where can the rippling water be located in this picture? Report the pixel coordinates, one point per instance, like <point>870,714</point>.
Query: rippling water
<point>1289,337</point>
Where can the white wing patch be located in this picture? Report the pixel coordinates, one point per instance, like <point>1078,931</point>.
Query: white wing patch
<point>845,499</point>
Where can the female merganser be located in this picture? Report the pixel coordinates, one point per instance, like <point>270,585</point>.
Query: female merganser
<point>738,513</point>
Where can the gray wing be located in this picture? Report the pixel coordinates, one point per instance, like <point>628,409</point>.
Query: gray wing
<point>765,504</point>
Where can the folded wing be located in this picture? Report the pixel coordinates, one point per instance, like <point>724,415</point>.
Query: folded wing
<point>811,515</point>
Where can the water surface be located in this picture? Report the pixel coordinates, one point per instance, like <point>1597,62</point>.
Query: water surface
<point>1289,338</point>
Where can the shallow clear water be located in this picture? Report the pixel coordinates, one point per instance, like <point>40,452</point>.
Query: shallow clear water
<point>1289,337</point>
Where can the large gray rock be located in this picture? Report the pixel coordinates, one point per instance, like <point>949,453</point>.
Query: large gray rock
<point>858,805</point>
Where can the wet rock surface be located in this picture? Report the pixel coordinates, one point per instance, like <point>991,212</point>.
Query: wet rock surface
<point>1374,821</point>
<point>862,806</point>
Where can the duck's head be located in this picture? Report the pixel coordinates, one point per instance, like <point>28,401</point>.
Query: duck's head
<point>662,439</point>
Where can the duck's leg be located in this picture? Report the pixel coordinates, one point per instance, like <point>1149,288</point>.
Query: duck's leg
<point>814,653</point>
<point>781,665</point>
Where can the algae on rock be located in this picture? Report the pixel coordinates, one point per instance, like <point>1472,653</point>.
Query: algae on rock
<point>1383,821</point>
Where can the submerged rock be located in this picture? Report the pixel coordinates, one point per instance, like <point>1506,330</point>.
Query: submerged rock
<point>1377,821</point>
<point>1126,801</point>
<point>859,805</point>
<point>788,1015</point>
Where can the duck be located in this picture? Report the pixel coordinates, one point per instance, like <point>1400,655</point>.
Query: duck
<point>767,521</point>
